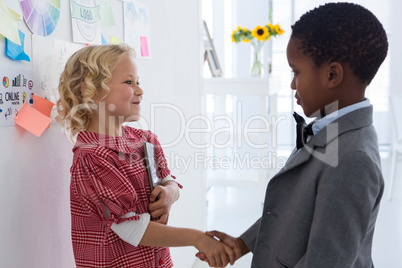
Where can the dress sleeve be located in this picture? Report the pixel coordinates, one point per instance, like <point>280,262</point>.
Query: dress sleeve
<point>95,180</point>
<point>132,232</point>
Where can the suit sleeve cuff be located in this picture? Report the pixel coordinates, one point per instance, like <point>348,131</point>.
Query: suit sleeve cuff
<point>249,237</point>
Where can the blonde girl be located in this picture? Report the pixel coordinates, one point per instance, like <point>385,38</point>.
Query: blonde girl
<point>116,221</point>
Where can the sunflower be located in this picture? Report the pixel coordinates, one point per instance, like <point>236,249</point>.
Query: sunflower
<point>270,27</point>
<point>242,34</point>
<point>236,36</point>
<point>261,33</point>
<point>278,29</point>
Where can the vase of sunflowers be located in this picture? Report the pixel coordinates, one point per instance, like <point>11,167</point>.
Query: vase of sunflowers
<point>256,37</point>
<point>256,60</point>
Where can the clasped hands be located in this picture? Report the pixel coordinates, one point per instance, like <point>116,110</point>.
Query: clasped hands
<point>234,248</point>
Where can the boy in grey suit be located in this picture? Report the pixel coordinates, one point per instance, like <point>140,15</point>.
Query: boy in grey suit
<point>320,209</point>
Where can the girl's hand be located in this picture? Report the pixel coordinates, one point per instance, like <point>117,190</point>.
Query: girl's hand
<point>236,244</point>
<point>161,200</point>
<point>217,253</point>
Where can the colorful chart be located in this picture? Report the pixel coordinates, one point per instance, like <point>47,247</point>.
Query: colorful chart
<point>5,81</point>
<point>41,16</point>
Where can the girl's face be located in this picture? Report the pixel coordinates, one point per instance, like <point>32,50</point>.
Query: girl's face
<point>308,81</point>
<point>124,98</point>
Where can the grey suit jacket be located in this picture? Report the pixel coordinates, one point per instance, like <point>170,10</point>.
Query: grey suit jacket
<point>320,208</point>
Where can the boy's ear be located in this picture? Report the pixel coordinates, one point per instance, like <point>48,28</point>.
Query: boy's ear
<point>334,74</point>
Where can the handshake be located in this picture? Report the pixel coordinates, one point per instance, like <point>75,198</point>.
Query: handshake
<point>219,253</point>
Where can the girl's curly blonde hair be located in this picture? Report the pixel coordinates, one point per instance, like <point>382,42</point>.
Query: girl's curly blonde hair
<point>86,75</point>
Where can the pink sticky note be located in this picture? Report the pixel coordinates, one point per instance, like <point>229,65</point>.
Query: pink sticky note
<point>32,120</point>
<point>42,105</point>
<point>144,46</point>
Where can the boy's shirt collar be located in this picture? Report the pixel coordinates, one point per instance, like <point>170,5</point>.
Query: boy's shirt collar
<point>328,119</point>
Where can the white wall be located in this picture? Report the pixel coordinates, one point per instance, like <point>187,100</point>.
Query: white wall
<point>34,180</point>
<point>395,44</point>
<point>173,76</point>
<point>34,184</point>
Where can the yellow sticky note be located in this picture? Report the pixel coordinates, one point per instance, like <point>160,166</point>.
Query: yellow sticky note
<point>8,24</point>
<point>114,40</point>
<point>42,105</point>
<point>32,120</point>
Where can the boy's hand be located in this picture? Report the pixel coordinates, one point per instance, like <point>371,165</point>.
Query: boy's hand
<point>236,244</point>
<point>161,200</point>
<point>217,254</point>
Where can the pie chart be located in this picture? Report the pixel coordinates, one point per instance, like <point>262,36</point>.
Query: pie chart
<point>5,81</point>
<point>41,16</point>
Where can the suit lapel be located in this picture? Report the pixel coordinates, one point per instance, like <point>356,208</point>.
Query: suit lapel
<point>297,158</point>
<point>329,135</point>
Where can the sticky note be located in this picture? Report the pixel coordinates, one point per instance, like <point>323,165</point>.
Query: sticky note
<point>106,14</point>
<point>32,120</point>
<point>144,46</point>
<point>43,106</point>
<point>15,51</point>
<point>8,23</point>
<point>103,40</point>
<point>114,40</point>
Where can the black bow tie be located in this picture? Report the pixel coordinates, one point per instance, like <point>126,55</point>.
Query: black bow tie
<point>303,130</point>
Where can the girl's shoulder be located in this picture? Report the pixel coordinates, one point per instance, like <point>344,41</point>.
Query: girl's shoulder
<point>138,134</point>
<point>104,146</point>
<point>90,146</point>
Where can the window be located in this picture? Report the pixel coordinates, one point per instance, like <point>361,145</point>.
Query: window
<point>224,16</point>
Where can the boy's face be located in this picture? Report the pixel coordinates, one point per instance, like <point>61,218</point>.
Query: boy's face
<point>309,81</point>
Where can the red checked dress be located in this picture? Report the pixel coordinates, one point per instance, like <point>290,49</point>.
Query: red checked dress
<point>110,170</point>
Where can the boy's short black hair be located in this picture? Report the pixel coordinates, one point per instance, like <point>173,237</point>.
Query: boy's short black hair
<point>346,33</point>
